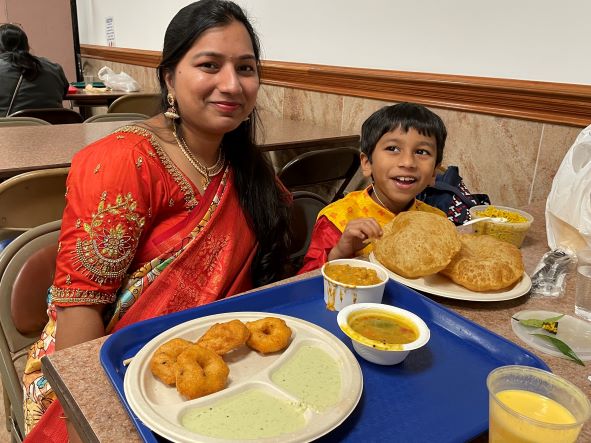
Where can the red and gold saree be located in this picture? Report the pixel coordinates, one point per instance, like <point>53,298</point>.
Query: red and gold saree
<point>147,245</point>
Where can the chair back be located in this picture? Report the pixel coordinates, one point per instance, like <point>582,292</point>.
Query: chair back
<point>22,121</point>
<point>305,209</point>
<point>31,199</point>
<point>321,167</point>
<point>27,268</point>
<point>116,116</point>
<point>55,116</point>
<point>149,104</point>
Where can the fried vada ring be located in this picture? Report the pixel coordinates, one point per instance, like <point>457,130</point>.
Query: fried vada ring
<point>269,334</point>
<point>222,338</point>
<point>163,361</point>
<point>199,372</point>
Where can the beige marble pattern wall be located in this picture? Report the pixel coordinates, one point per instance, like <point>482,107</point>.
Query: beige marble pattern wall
<point>511,160</point>
<point>146,77</point>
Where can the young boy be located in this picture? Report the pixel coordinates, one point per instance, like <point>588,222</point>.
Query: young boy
<point>401,148</point>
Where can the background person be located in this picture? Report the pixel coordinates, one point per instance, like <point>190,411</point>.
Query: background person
<point>176,212</point>
<point>43,83</point>
<point>401,148</point>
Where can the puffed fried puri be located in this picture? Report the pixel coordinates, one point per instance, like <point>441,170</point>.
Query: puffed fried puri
<point>222,338</point>
<point>200,372</point>
<point>485,263</point>
<point>416,244</point>
<point>269,334</point>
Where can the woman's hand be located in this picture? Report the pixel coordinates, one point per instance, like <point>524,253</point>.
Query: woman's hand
<point>78,324</point>
<point>355,237</point>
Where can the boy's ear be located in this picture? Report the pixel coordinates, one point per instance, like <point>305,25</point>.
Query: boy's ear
<point>365,165</point>
<point>432,182</point>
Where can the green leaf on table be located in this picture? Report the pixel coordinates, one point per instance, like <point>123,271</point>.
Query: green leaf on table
<point>562,347</point>
<point>549,324</point>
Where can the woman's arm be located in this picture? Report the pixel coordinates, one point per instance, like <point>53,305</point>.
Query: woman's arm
<point>77,324</point>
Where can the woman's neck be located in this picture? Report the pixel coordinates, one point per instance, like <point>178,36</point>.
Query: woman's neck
<point>204,146</point>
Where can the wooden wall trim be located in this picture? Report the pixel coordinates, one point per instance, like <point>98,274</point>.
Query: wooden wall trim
<point>558,103</point>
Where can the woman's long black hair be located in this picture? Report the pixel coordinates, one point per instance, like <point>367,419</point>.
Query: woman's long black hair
<point>261,197</point>
<point>14,43</point>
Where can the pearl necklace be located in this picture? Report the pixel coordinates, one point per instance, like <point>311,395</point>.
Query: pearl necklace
<point>206,172</point>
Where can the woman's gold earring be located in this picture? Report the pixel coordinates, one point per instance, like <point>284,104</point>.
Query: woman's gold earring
<point>171,112</point>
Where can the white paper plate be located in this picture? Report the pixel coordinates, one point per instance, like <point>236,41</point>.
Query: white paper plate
<point>576,333</point>
<point>442,286</point>
<point>161,407</point>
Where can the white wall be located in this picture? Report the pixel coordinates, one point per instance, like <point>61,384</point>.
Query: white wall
<point>546,40</point>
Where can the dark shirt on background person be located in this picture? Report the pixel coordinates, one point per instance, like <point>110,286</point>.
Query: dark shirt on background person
<point>44,84</point>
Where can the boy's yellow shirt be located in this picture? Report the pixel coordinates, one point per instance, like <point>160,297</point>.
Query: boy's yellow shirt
<point>359,204</point>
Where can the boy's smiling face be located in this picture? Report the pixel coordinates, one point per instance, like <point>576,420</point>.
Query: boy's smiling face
<point>402,166</point>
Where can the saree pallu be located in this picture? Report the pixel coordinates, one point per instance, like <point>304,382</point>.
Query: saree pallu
<point>207,257</point>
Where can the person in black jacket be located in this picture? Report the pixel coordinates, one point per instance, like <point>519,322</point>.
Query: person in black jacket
<point>27,81</point>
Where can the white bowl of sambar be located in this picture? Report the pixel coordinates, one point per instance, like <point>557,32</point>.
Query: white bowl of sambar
<point>383,334</point>
<point>348,281</point>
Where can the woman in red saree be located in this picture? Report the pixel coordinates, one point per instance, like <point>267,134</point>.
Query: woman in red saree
<point>171,213</point>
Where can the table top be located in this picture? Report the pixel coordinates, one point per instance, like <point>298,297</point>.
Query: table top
<point>27,148</point>
<point>84,96</point>
<point>91,402</point>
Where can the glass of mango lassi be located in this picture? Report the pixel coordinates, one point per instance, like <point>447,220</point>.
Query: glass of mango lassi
<point>532,405</point>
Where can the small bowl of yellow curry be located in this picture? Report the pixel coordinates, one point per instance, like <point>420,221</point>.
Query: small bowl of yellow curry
<point>512,228</point>
<point>383,334</point>
<point>348,281</point>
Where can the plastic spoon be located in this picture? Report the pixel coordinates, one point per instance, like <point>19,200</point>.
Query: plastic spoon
<point>492,219</point>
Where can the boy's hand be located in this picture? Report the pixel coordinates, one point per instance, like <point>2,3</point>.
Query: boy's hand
<point>355,237</point>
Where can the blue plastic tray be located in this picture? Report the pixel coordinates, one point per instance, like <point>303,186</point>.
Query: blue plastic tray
<point>437,394</point>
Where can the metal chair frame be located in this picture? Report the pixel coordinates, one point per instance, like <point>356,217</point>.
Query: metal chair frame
<point>13,344</point>
<point>321,166</point>
<point>55,116</point>
<point>145,103</point>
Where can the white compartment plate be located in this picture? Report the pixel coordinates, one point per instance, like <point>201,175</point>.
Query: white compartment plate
<point>160,407</point>
<point>575,332</point>
<point>442,286</point>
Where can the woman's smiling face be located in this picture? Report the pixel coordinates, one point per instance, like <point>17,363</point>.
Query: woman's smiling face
<point>402,166</point>
<point>216,82</point>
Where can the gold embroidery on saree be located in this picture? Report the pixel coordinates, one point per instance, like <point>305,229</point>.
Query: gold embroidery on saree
<point>111,239</point>
<point>60,295</point>
<point>186,188</point>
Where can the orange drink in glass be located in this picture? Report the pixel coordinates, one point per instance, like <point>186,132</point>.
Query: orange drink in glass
<point>528,405</point>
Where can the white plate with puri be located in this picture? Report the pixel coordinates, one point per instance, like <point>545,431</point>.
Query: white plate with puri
<point>442,286</point>
<point>161,407</point>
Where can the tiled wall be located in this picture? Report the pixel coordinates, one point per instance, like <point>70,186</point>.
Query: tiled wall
<point>511,160</point>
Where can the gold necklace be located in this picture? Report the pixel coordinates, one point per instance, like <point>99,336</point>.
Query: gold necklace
<point>206,172</point>
<point>375,192</point>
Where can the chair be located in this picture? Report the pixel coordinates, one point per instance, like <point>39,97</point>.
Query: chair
<point>27,268</point>
<point>321,167</point>
<point>143,103</point>
<point>22,121</point>
<point>305,209</point>
<point>116,116</point>
<point>31,199</point>
<point>55,116</point>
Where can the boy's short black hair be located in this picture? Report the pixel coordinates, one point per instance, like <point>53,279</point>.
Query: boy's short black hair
<point>404,116</point>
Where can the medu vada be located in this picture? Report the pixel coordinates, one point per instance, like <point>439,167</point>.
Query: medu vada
<point>163,363</point>
<point>199,372</point>
<point>222,338</point>
<point>269,334</point>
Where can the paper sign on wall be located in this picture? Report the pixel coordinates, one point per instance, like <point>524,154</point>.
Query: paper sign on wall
<point>110,31</point>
